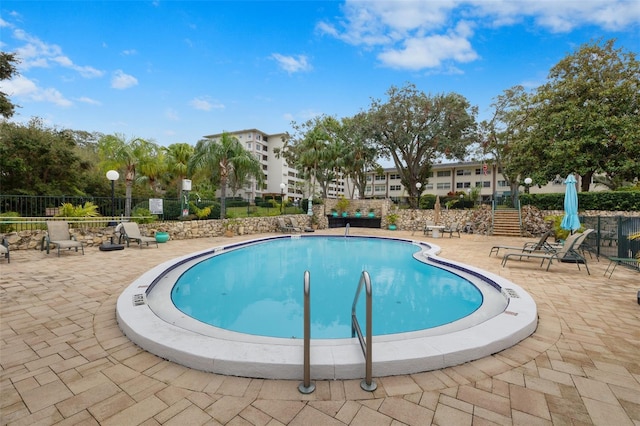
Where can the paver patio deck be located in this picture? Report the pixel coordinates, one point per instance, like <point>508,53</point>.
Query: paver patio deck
<point>63,359</point>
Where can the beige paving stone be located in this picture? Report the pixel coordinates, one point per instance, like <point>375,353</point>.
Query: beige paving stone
<point>366,416</point>
<point>255,416</point>
<point>542,385</point>
<point>234,386</point>
<point>201,399</point>
<point>555,376</point>
<point>43,396</point>
<point>173,409</point>
<point>455,403</point>
<point>487,400</point>
<point>526,419</point>
<point>46,416</point>
<point>282,411</point>
<point>447,415</point>
<point>172,394</point>
<point>137,413</point>
<point>402,410</point>
<point>328,407</point>
<point>310,416</point>
<point>529,401</point>
<point>111,406</point>
<point>399,385</point>
<point>606,414</point>
<point>593,389</point>
<point>227,407</point>
<point>86,399</point>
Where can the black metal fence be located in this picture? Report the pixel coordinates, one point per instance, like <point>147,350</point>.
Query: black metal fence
<point>611,236</point>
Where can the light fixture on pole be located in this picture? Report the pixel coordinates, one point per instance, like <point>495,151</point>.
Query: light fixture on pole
<point>527,184</point>
<point>418,186</point>
<point>113,176</point>
<point>282,187</point>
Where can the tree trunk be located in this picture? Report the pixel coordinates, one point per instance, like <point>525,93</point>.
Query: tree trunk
<point>585,181</point>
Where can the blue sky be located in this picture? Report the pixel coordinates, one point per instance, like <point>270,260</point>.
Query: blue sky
<point>174,71</point>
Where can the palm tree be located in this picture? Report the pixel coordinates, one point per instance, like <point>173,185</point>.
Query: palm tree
<point>220,159</point>
<point>177,158</point>
<point>118,153</point>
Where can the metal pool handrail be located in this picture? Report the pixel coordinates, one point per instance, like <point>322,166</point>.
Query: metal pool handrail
<point>367,384</point>
<point>306,386</point>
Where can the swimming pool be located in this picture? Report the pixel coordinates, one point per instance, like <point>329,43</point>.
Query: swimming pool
<point>149,318</point>
<point>260,292</point>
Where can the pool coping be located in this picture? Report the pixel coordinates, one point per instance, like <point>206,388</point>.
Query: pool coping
<point>273,358</point>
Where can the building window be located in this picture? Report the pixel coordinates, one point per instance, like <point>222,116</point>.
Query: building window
<point>264,158</point>
<point>395,187</point>
<point>249,146</point>
<point>444,173</point>
<point>380,177</point>
<point>443,185</point>
<point>460,185</point>
<point>258,147</point>
<point>379,188</point>
<point>463,172</point>
<point>428,186</point>
<point>264,167</point>
<point>486,184</point>
<point>503,184</point>
<point>394,176</point>
<point>367,189</point>
<point>257,137</point>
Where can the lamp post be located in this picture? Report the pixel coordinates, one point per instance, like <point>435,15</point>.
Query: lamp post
<point>418,186</point>
<point>527,184</point>
<point>282,187</point>
<point>113,176</point>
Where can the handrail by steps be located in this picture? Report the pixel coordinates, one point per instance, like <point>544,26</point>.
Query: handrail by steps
<point>367,384</point>
<point>307,386</point>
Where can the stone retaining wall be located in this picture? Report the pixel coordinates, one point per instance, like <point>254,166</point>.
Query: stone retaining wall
<point>408,219</point>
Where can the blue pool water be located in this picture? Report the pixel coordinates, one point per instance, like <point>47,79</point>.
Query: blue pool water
<point>258,289</point>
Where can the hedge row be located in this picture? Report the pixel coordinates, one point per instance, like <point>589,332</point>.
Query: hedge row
<point>608,201</point>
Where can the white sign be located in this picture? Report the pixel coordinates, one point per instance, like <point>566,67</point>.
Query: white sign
<point>155,205</point>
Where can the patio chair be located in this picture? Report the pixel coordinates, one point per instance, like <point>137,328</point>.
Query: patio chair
<point>131,232</point>
<point>287,228</point>
<point>451,229</point>
<point>530,246</point>
<point>567,254</point>
<point>299,228</point>
<point>58,234</point>
<point>427,227</point>
<point>4,250</point>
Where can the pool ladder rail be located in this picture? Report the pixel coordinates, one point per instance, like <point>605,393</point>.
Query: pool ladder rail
<point>307,387</point>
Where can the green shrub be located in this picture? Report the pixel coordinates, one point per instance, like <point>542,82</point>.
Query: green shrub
<point>8,227</point>
<point>142,215</point>
<point>87,210</point>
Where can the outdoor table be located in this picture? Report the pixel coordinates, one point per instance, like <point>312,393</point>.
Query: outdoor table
<point>435,230</point>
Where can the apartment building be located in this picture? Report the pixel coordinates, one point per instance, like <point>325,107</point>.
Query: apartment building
<point>453,177</point>
<point>276,170</point>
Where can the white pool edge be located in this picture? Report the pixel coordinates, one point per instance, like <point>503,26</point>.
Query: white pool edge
<point>269,358</point>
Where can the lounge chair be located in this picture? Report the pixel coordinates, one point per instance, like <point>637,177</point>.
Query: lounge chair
<point>58,234</point>
<point>287,228</point>
<point>427,227</point>
<point>131,232</point>
<point>529,247</point>
<point>4,250</point>
<point>299,228</point>
<point>567,254</point>
<point>451,229</point>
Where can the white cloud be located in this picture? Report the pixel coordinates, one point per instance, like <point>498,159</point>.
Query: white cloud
<point>417,34</point>
<point>171,114</point>
<point>204,104</point>
<point>37,54</point>
<point>89,101</point>
<point>292,64</point>
<point>22,87</point>
<point>120,80</point>
<point>129,52</point>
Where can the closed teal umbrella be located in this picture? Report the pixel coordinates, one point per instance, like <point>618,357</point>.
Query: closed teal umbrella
<point>570,221</point>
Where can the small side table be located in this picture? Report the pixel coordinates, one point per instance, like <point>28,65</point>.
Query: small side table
<point>435,230</point>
